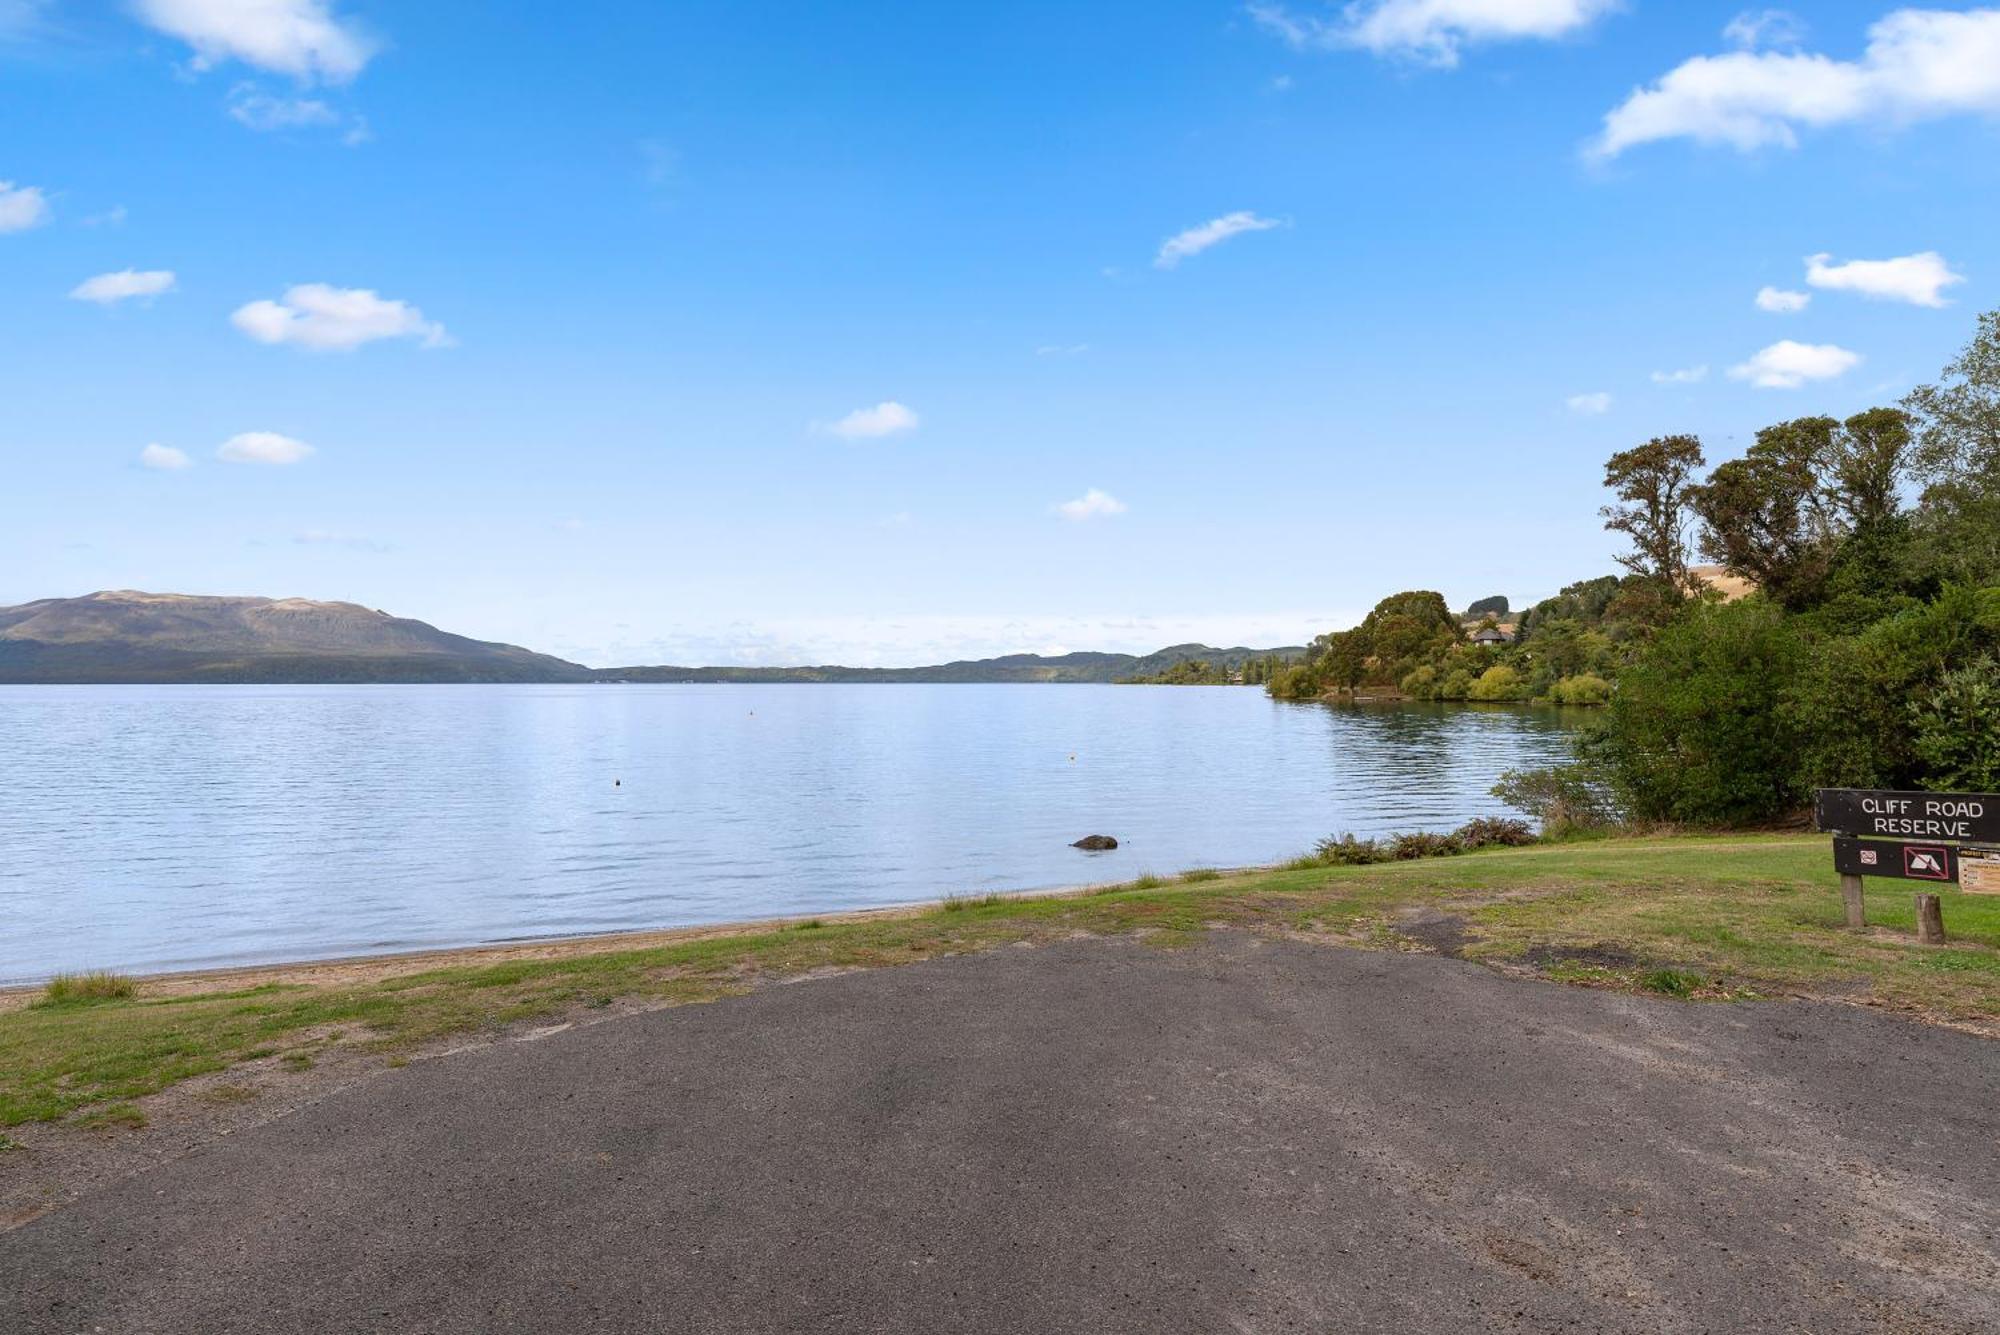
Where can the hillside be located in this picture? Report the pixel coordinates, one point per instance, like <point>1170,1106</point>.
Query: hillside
<point>1069,668</point>
<point>127,636</point>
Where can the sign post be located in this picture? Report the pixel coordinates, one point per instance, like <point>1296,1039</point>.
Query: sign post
<point>1946,838</point>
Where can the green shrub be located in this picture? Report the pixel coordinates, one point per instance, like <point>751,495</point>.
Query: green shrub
<point>1457,685</point>
<point>1583,689</point>
<point>1298,682</point>
<point>1957,729</point>
<point>1564,798</point>
<point>1348,851</point>
<point>1496,684</point>
<point>1696,733</point>
<point>1491,831</point>
<point>1423,844</point>
<point>1421,683</point>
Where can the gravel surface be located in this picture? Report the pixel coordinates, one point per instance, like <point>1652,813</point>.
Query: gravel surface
<point>1249,1135</point>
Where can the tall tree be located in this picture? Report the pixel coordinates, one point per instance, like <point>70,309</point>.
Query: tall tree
<point>1767,516</point>
<point>1868,459</point>
<point>1958,419</point>
<point>1656,483</point>
<point>1957,455</point>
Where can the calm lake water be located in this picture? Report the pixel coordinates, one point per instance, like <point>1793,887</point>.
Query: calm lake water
<point>152,828</point>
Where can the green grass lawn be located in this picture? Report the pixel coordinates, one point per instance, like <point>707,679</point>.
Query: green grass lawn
<point>1722,917</point>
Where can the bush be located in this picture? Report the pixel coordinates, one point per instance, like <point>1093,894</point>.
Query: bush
<point>1421,684</point>
<point>1696,733</point>
<point>1347,851</point>
<point>1421,844</point>
<point>1583,689</point>
<point>1491,831</point>
<point>1564,798</point>
<point>1456,686</point>
<point>1496,684</point>
<point>1298,682</point>
<point>1958,730</point>
<point>1851,708</point>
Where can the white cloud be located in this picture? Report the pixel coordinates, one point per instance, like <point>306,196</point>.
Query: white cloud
<point>165,458</point>
<point>1920,64</point>
<point>1062,349</point>
<point>22,207</point>
<point>887,418</point>
<point>1787,365</point>
<point>1690,375</point>
<point>315,315</point>
<point>1195,240</point>
<point>1779,301</point>
<point>1590,405</point>
<point>109,288</point>
<point>302,38</point>
<point>1430,31</point>
<point>1755,28</point>
<point>1917,279</point>
<point>251,106</point>
<point>262,447</point>
<point>111,217</point>
<point>1093,504</point>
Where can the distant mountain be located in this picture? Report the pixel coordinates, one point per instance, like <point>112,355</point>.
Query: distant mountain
<point>170,637</point>
<point>1072,668</point>
<point>125,636</point>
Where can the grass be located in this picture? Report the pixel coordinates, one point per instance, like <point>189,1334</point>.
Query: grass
<point>85,989</point>
<point>1671,982</point>
<point>1705,917</point>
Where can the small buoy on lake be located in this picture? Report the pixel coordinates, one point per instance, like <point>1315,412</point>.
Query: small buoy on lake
<point>617,783</point>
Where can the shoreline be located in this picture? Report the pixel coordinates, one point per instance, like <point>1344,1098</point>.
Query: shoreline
<point>376,966</point>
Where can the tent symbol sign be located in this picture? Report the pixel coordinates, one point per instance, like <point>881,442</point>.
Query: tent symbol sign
<point>1926,863</point>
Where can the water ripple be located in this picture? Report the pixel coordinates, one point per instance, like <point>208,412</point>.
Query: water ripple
<point>148,828</point>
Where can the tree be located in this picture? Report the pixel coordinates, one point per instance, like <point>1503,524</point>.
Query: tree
<point>1868,458</point>
<point>1957,455</point>
<point>1656,482</point>
<point>1695,732</point>
<point>1958,419</point>
<point>1766,516</point>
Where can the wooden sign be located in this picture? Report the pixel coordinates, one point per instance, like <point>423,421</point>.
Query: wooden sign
<point>1953,818</point>
<point>1979,872</point>
<point>1900,859</point>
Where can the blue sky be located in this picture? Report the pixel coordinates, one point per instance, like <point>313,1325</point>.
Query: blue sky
<point>817,332</point>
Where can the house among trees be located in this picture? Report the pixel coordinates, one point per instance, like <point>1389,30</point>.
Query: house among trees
<point>1494,634</point>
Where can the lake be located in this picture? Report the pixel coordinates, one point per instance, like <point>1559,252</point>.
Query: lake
<point>148,828</point>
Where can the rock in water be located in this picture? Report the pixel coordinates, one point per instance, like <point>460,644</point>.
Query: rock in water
<point>1095,843</point>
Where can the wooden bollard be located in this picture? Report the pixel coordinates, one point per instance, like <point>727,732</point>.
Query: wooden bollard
<point>1930,920</point>
<point>1857,912</point>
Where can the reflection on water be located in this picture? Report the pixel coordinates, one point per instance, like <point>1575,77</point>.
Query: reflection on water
<point>149,828</point>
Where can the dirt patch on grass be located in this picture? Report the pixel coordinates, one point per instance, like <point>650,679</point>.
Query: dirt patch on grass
<point>1442,933</point>
<point>1546,957</point>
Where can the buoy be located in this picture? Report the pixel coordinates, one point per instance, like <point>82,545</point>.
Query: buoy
<point>617,783</point>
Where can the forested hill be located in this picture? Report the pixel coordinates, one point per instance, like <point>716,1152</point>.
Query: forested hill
<point>128,636</point>
<point>1073,668</point>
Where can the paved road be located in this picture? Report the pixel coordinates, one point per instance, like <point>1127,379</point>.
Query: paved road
<point>1249,1136</point>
